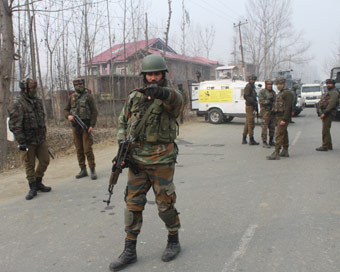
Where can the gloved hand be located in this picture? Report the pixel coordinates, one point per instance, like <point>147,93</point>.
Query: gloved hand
<point>271,99</point>
<point>127,163</point>
<point>153,91</point>
<point>22,147</point>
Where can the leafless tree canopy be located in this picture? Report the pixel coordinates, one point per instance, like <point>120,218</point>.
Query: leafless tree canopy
<point>270,40</point>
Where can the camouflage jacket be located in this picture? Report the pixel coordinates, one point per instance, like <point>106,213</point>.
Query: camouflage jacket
<point>155,142</point>
<point>250,95</point>
<point>27,120</point>
<point>283,104</point>
<point>266,100</point>
<point>84,106</point>
<point>329,102</point>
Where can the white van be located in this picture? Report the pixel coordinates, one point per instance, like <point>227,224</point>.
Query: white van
<point>311,93</point>
<point>218,100</point>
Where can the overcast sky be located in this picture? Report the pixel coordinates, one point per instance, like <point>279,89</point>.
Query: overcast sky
<point>318,20</point>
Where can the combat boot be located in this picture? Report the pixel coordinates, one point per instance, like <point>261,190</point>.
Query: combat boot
<point>244,140</point>
<point>274,156</point>
<point>172,248</point>
<point>330,147</point>
<point>93,173</point>
<point>264,144</point>
<point>128,256</point>
<point>321,148</point>
<point>33,190</point>
<point>284,153</point>
<point>252,141</point>
<point>82,173</point>
<point>271,141</point>
<point>41,187</point>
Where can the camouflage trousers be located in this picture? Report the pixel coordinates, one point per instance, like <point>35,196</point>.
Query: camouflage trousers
<point>326,131</point>
<point>83,143</point>
<point>250,122</point>
<point>268,122</point>
<point>29,157</point>
<point>281,136</point>
<point>160,178</point>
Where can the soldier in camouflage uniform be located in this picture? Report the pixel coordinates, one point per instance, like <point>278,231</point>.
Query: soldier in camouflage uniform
<point>283,112</point>
<point>82,103</point>
<point>294,88</point>
<point>328,105</point>
<point>27,122</point>
<point>250,98</point>
<point>266,101</point>
<point>185,102</point>
<point>149,114</point>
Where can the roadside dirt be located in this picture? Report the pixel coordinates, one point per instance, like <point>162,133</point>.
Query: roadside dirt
<point>13,182</point>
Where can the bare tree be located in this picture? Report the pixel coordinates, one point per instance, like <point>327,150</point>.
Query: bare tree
<point>167,28</point>
<point>184,25</point>
<point>207,37</point>
<point>334,59</point>
<point>270,40</point>
<point>6,60</point>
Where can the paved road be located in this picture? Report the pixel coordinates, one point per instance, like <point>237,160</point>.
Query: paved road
<point>239,212</point>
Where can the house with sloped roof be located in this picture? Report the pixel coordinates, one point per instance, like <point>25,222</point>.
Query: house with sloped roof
<point>125,59</point>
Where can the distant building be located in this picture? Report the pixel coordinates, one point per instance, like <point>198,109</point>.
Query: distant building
<point>126,60</point>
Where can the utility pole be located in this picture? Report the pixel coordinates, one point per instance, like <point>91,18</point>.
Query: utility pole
<point>241,46</point>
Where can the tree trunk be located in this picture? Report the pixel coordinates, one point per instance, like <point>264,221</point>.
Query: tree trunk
<point>6,61</point>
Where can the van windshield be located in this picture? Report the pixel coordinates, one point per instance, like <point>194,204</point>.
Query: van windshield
<point>311,89</point>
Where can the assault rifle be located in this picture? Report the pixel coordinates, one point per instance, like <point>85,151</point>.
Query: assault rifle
<point>117,168</point>
<point>82,124</point>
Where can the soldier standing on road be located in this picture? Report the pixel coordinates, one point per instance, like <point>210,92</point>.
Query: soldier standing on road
<point>185,102</point>
<point>27,122</point>
<point>283,113</point>
<point>294,88</point>
<point>250,97</point>
<point>328,105</point>
<point>82,103</point>
<point>150,114</point>
<point>268,122</point>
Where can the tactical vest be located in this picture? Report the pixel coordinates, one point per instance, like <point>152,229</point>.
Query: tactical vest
<point>34,120</point>
<point>279,105</point>
<point>324,101</point>
<point>80,105</point>
<point>158,126</point>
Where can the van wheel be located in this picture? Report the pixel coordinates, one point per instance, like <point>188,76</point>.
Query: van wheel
<point>228,119</point>
<point>215,116</point>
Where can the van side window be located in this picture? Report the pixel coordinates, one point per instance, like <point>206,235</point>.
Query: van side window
<point>210,88</point>
<point>224,87</point>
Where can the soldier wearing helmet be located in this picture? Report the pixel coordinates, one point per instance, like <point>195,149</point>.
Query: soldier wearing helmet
<point>268,122</point>
<point>82,103</point>
<point>27,122</point>
<point>250,98</point>
<point>283,112</point>
<point>149,116</point>
<point>328,105</point>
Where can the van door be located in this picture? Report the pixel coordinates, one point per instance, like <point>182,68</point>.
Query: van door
<point>194,96</point>
<point>238,105</point>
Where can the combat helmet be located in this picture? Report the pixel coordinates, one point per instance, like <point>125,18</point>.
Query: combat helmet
<point>153,63</point>
<point>79,81</point>
<point>330,81</point>
<point>28,83</point>
<point>268,82</point>
<point>280,80</point>
<point>252,77</point>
